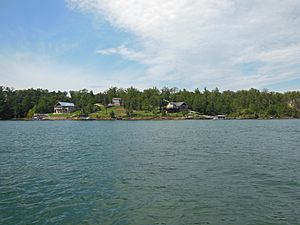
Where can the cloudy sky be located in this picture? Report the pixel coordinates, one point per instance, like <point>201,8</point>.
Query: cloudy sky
<point>96,44</point>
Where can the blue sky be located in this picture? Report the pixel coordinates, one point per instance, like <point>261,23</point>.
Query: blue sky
<point>96,44</point>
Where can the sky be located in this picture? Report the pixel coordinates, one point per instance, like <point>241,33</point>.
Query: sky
<point>97,44</point>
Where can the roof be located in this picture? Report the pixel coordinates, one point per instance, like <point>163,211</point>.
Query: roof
<point>66,104</point>
<point>177,103</point>
<point>173,105</point>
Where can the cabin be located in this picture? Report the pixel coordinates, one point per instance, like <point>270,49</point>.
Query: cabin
<point>116,101</point>
<point>64,107</point>
<point>177,107</point>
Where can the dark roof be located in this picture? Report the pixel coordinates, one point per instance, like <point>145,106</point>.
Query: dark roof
<point>178,103</point>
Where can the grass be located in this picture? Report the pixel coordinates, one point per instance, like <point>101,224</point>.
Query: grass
<point>105,113</point>
<point>176,114</point>
<point>68,115</point>
<point>119,111</point>
<point>144,114</point>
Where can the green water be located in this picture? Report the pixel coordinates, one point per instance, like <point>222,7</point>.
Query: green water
<point>150,172</point>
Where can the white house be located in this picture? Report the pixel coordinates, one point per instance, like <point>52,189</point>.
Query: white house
<point>116,101</point>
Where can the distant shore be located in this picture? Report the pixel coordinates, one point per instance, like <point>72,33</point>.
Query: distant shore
<point>141,118</point>
<point>149,104</point>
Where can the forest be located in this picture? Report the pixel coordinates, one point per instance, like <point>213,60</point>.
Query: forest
<point>250,103</point>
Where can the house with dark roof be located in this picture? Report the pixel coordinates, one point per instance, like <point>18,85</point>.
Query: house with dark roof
<point>177,107</point>
<point>64,107</point>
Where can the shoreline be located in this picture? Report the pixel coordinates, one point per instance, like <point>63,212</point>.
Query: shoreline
<point>143,119</point>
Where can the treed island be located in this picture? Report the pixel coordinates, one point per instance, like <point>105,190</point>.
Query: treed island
<point>153,103</point>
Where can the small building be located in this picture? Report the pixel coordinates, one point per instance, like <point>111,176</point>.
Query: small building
<point>219,117</point>
<point>177,107</point>
<point>115,102</point>
<point>39,116</point>
<point>64,107</point>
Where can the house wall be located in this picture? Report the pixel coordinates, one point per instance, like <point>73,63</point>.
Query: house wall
<point>173,108</point>
<point>116,102</point>
<point>67,109</point>
<point>183,107</point>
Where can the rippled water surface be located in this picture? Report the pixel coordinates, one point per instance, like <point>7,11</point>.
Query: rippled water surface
<point>150,172</point>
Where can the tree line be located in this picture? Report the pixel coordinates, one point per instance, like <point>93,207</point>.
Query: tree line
<point>244,103</point>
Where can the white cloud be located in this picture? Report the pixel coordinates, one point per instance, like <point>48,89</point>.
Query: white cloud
<point>202,42</point>
<point>123,51</point>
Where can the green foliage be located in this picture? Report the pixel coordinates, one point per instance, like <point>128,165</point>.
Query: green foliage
<point>112,114</point>
<point>129,113</point>
<point>151,102</point>
<point>143,114</point>
<point>84,100</point>
<point>6,103</point>
<point>31,112</point>
<point>66,115</point>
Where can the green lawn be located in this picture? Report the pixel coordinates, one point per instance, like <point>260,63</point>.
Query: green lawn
<point>177,114</point>
<point>144,114</point>
<point>119,111</point>
<point>68,115</point>
<point>106,112</point>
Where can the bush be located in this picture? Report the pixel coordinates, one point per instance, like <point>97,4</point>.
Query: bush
<point>31,112</point>
<point>112,114</point>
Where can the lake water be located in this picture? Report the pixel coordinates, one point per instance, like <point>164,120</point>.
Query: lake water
<point>150,172</point>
